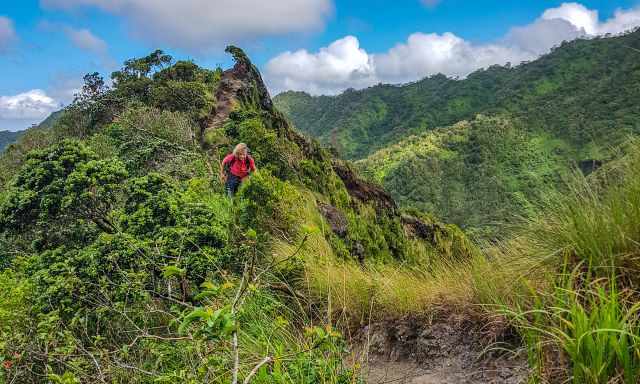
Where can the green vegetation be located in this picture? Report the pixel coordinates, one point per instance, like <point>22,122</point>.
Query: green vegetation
<point>425,143</point>
<point>124,261</point>
<point>566,280</point>
<point>589,314</point>
<point>491,159</point>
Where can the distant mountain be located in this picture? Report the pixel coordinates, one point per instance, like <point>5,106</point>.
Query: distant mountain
<point>8,137</point>
<point>424,142</point>
<point>51,119</point>
<point>583,91</point>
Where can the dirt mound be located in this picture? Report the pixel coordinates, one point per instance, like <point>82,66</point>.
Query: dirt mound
<point>453,349</point>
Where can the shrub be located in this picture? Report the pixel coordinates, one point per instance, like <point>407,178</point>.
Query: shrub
<point>149,139</point>
<point>63,184</point>
<point>268,205</point>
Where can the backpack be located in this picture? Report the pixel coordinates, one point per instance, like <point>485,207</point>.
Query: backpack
<point>227,167</point>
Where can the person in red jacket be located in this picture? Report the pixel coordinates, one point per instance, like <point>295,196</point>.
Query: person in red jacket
<point>235,168</point>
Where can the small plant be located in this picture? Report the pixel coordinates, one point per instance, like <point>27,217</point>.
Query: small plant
<point>597,327</point>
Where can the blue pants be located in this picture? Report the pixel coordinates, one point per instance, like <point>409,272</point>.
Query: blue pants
<point>232,185</point>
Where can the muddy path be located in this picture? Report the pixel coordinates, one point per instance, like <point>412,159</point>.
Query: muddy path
<point>451,349</point>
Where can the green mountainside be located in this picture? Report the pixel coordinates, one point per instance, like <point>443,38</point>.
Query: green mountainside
<point>8,137</point>
<point>426,145</point>
<point>124,261</point>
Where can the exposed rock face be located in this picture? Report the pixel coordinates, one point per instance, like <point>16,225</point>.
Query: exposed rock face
<point>427,231</point>
<point>365,191</point>
<point>335,218</point>
<point>242,83</point>
<point>447,349</point>
<point>419,228</point>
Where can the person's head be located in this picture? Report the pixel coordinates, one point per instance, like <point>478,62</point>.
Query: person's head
<point>240,151</point>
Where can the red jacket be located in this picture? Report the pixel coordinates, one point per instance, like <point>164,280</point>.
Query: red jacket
<point>237,167</point>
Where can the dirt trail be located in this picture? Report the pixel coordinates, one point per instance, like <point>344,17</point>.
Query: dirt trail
<point>226,96</point>
<point>448,350</point>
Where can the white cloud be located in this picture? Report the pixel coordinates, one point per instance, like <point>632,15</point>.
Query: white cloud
<point>588,21</point>
<point>576,14</point>
<point>425,54</point>
<point>540,36</point>
<point>7,33</point>
<point>345,64</point>
<point>85,40</point>
<point>20,111</point>
<point>342,64</point>
<point>31,105</point>
<point>622,21</point>
<point>198,25</point>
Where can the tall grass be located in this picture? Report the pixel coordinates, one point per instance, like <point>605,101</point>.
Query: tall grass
<point>381,291</point>
<point>596,327</point>
<point>590,316</point>
<point>596,221</point>
<point>581,326</point>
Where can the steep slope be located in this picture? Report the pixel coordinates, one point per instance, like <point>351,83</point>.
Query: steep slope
<point>425,145</point>
<point>119,248</point>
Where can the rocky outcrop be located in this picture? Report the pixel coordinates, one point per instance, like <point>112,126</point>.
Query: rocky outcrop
<point>449,348</point>
<point>365,191</point>
<point>335,218</point>
<point>240,84</point>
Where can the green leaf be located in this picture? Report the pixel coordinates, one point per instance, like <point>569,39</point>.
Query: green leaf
<point>204,294</point>
<point>172,270</point>
<point>195,315</point>
<point>208,285</point>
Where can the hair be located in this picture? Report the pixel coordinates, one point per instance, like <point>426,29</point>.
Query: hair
<point>240,148</point>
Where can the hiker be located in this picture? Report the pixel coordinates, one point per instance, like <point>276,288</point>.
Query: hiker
<point>235,167</point>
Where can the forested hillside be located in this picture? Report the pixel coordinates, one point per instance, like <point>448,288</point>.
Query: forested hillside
<point>122,260</point>
<point>424,143</point>
<point>7,137</point>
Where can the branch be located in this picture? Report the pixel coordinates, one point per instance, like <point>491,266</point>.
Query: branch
<point>236,352</point>
<point>255,369</point>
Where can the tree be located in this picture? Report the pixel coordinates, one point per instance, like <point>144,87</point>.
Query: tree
<point>93,88</point>
<point>142,67</point>
<point>62,183</point>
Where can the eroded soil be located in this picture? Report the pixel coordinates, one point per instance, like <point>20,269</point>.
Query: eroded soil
<point>452,349</point>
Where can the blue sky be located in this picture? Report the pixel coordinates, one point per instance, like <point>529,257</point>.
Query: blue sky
<point>320,46</point>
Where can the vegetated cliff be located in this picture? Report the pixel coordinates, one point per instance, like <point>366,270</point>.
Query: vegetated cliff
<point>119,249</point>
<point>244,112</point>
<point>423,142</point>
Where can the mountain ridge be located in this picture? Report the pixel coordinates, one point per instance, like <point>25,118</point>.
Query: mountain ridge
<point>569,109</point>
<point>445,100</point>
